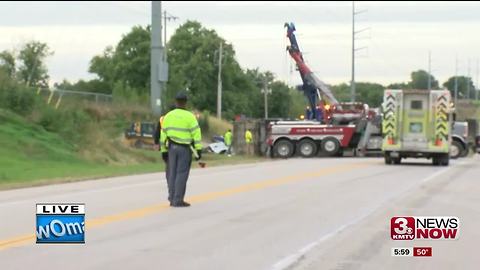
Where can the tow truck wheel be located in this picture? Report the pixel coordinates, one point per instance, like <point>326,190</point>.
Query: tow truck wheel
<point>330,146</point>
<point>465,152</point>
<point>283,148</point>
<point>456,150</point>
<point>307,148</point>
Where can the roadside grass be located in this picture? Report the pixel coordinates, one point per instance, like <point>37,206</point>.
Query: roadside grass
<point>45,172</point>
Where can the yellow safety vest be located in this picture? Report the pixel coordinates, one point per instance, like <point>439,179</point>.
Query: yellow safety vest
<point>228,138</point>
<point>180,126</point>
<point>248,136</point>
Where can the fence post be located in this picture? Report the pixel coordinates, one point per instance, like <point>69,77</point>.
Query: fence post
<point>58,101</point>
<point>50,97</point>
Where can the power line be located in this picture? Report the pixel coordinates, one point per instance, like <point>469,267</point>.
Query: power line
<point>456,81</point>
<point>355,49</point>
<point>167,17</point>
<point>469,79</point>
<point>476,84</point>
<point>429,70</point>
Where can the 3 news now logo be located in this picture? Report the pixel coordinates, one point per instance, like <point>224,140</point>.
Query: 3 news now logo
<point>60,223</point>
<point>410,228</point>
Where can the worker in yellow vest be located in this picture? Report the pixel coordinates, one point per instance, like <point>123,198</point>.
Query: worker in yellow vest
<point>228,142</point>
<point>156,134</point>
<point>180,135</point>
<point>249,142</point>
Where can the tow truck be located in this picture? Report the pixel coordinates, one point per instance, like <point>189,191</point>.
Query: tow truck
<point>332,127</point>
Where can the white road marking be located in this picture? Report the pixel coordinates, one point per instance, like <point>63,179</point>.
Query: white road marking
<point>295,257</point>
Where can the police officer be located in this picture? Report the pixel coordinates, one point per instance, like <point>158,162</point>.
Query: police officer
<point>180,130</point>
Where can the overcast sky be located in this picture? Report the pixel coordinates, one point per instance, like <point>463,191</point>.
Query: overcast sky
<point>399,38</point>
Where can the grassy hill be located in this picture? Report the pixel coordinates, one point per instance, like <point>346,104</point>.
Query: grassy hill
<point>31,154</point>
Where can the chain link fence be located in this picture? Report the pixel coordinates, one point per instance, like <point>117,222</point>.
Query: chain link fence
<point>57,96</point>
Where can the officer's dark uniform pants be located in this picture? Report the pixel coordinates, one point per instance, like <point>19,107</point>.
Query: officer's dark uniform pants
<point>179,162</point>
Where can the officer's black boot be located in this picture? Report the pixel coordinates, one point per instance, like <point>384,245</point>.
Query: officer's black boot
<point>181,204</point>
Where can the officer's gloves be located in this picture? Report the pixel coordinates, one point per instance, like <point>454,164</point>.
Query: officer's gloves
<point>199,154</point>
<point>165,157</point>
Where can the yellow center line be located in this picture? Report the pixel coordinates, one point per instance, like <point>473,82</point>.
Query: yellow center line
<point>157,208</point>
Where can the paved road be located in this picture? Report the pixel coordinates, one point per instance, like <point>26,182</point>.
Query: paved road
<point>286,214</point>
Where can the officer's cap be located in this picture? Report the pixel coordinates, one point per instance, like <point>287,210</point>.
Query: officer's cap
<point>181,96</point>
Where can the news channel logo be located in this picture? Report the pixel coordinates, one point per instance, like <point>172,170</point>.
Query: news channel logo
<point>60,223</point>
<point>424,228</point>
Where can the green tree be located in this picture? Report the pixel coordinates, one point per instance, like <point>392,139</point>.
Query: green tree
<point>94,86</point>
<point>32,70</point>
<point>280,101</point>
<point>283,101</point>
<point>193,66</point>
<point>127,64</point>
<point>419,80</point>
<point>132,58</point>
<point>7,63</point>
<point>370,93</point>
<point>192,61</point>
<point>401,85</point>
<point>103,66</point>
<point>259,79</point>
<point>298,103</point>
<point>462,86</point>
<point>342,92</point>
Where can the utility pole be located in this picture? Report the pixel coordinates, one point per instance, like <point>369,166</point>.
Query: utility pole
<point>476,83</point>
<point>219,88</point>
<point>354,49</point>
<point>352,83</point>
<point>456,81</point>
<point>429,70</point>
<point>157,67</point>
<point>166,17</point>
<point>468,80</point>
<point>265,90</point>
